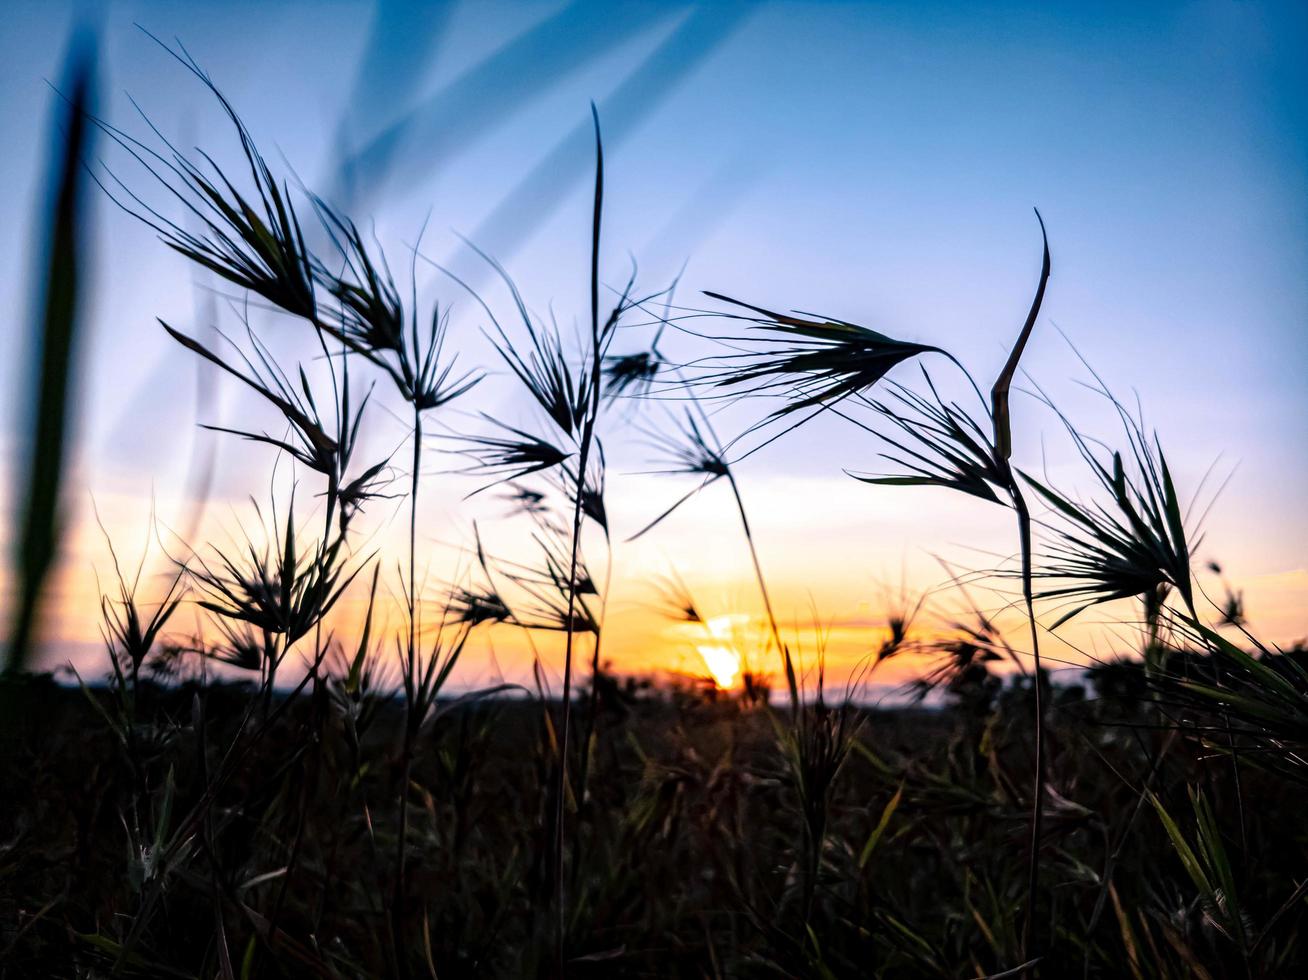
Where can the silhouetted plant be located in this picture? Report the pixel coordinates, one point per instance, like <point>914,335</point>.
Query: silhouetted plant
<point>937,442</point>
<point>810,363</point>
<point>680,834</point>
<point>38,481</point>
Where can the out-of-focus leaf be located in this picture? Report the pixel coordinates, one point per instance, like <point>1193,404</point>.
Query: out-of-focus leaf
<point>37,483</point>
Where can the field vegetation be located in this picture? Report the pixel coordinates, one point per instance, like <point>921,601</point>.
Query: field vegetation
<point>285,791</point>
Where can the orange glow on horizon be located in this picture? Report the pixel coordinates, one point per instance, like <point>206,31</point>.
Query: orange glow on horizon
<point>722,662</point>
<point>638,640</point>
<point>719,653</point>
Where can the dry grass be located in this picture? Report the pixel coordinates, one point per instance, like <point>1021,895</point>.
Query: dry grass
<point>365,822</point>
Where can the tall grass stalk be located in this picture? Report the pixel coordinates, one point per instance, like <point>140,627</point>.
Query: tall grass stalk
<point>939,444</point>
<point>260,246</point>
<point>1136,546</point>
<point>583,459</point>
<point>411,593</point>
<point>788,664</point>
<point>571,458</point>
<point>38,485</point>
<point>999,398</point>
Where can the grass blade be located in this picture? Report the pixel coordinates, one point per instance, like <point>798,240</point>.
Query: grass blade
<point>39,486</point>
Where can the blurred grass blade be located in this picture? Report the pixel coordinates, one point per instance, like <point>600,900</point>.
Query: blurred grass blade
<point>37,484</point>
<point>877,831</point>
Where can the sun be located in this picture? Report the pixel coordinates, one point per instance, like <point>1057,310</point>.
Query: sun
<point>722,662</point>
<point>719,654</point>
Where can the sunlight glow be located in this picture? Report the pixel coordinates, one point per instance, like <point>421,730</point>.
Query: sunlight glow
<point>722,662</point>
<point>721,657</point>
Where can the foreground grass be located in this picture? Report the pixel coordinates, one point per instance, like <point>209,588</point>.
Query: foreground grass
<point>691,847</point>
<point>365,824</point>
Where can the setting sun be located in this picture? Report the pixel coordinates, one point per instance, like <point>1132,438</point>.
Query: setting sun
<point>719,652</point>
<point>722,662</point>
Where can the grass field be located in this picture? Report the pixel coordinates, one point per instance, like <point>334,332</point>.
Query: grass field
<point>692,853</point>
<point>284,791</point>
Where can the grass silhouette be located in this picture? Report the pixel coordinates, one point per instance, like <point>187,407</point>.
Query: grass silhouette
<point>206,810</point>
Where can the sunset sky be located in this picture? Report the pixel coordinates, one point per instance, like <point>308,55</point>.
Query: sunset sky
<point>873,162</point>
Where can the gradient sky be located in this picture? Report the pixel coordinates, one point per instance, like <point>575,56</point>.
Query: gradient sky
<point>876,162</point>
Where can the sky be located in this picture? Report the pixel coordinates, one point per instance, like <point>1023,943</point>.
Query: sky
<point>874,162</point>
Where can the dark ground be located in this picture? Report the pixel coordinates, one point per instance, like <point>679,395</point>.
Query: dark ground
<point>183,848</point>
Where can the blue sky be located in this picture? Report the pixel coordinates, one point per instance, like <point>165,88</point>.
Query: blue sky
<point>877,162</point>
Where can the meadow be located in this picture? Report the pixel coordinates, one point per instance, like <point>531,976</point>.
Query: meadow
<point>289,792</point>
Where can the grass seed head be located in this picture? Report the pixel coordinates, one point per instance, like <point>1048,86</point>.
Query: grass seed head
<point>811,363</point>
<point>937,443</point>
